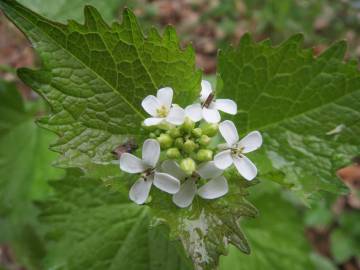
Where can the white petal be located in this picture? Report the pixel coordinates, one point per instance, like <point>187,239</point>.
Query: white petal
<point>153,121</point>
<point>215,188</point>
<point>211,115</point>
<point>186,194</point>
<point>226,105</point>
<point>165,96</point>
<point>209,170</point>
<point>194,112</point>
<point>223,160</point>
<point>151,104</point>
<point>205,90</point>
<point>166,182</point>
<point>176,115</point>
<point>171,167</point>
<point>251,142</point>
<point>245,167</point>
<point>131,164</point>
<point>139,192</point>
<point>229,132</point>
<point>151,152</point>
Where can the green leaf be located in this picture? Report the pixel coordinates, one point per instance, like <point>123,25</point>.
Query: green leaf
<point>207,228</point>
<point>311,104</point>
<point>95,76</point>
<point>62,10</point>
<point>89,226</point>
<point>24,166</point>
<point>277,238</point>
<point>345,239</point>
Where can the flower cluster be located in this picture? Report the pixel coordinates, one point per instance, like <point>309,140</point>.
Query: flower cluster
<point>179,159</point>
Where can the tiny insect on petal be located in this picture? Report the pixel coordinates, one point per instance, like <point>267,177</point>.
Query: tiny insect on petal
<point>205,90</point>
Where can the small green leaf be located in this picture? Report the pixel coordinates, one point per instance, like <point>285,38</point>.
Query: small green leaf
<point>95,76</point>
<point>89,226</point>
<point>311,104</point>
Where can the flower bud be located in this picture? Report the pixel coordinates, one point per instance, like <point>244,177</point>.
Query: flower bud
<point>204,155</point>
<point>188,165</point>
<point>152,135</point>
<point>197,132</point>
<point>189,146</point>
<point>173,153</point>
<point>179,142</point>
<point>210,129</point>
<point>165,141</point>
<point>204,140</point>
<point>188,125</point>
<point>175,132</point>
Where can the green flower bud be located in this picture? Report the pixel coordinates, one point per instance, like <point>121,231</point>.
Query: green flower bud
<point>189,146</point>
<point>175,132</point>
<point>188,165</point>
<point>165,141</point>
<point>188,125</point>
<point>197,132</point>
<point>179,142</point>
<point>210,129</point>
<point>204,155</point>
<point>173,153</point>
<point>152,135</point>
<point>157,132</point>
<point>204,140</point>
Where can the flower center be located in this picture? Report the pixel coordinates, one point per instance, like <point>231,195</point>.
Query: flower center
<point>162,111</point>
<point>237,150</point>
<point>147,173</point>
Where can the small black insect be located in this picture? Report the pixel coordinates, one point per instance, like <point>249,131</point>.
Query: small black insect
<point>208,100</point>
<point>127,147</point>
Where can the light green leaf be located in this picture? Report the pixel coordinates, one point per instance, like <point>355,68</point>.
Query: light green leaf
<point>308,108</point>
<point>89,226</point>
<point>25,164</point>
<point>62,10</point>
<point>95,76</point>
<point>277,238</point>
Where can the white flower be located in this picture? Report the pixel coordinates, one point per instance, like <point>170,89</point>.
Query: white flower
<point>237,149</point>
<point>139,192</point>
<point>209,107</point>
<point>215,188</point>
<point>162,109</point>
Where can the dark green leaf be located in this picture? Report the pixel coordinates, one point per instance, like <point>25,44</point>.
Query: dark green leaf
<point>94,77</point>
<point>311,104</point>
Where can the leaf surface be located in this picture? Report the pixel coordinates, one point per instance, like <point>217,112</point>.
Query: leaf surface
<point>89,226</point>
<point>308,108</point>
<point>94,76</point>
